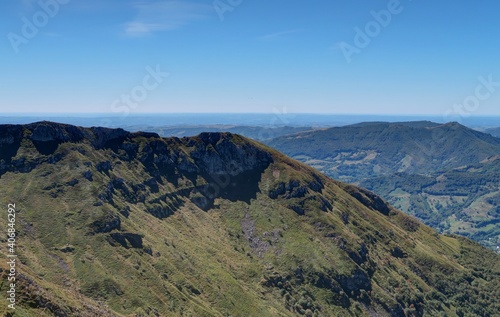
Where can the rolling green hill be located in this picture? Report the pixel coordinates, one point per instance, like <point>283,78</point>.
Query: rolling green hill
<point>111,223</point>
<point>357,152</point>
<point>446,175</point>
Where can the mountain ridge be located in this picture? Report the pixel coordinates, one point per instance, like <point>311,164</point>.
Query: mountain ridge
<point>414,147</point>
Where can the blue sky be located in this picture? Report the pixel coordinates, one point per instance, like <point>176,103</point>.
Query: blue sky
<point>342,56</point>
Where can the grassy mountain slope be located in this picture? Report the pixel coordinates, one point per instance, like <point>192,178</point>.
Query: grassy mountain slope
<point>112,223</point>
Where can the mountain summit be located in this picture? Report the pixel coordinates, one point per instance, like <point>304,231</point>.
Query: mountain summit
<point>112,223</point>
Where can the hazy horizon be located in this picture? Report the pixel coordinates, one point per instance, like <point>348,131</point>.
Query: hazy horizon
<point>276,119</point>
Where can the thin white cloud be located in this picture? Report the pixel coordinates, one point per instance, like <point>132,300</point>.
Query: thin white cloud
<point>164,15</point>
<point>279,35</point>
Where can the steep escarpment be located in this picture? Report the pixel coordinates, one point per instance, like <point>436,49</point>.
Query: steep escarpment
<point>131,224</point>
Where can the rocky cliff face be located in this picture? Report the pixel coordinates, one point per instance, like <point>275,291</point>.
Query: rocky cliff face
<point>230,167</point>
<point>10,140</point>
<point>210,153</point>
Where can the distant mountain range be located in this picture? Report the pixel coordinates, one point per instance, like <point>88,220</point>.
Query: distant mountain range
<point>445,174</point>
<point>113,223</point>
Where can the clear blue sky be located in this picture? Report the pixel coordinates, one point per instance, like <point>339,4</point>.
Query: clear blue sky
<point>249,56</point>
